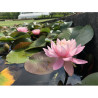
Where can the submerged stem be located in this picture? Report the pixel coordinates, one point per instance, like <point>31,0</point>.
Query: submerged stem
<point>66,78</point>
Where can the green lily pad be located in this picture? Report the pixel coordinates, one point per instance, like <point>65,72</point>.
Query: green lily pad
<point>47,30</point>
<point>65,25</point>
<point>19,56</point>
<point>91,79</point>
<point>6,38</point>
<point>65,35</point>
<point>40,42</point>
<point>18,35</point>
<point>83,35</point>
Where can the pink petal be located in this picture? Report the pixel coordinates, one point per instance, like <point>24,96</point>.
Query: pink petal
<point>78,61</point>
<point>69,68</point>
<point>79,49</point>
<point>73,52</point>
<point>60,51</point>
<point>36,31</point>
<point>46,52</point>
<point>58,42</point>
<point>73,44</point>
<point>58,64</point>
<point>53,45</point>
<point>67,59</point>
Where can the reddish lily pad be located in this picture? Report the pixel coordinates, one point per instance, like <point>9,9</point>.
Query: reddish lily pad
<point>21,45</point>
<point>39,63</point>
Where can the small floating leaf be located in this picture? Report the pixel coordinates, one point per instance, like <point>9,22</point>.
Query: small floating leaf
<point>6,78</point>
<point>21,45</point>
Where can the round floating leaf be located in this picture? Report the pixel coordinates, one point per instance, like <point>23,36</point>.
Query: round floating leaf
<point>18,35</point>
<point>91,79</point>
<point>65,25</point>
<point>21,45</point>
<point>56,26</point>
<point>74,31</point>
<point>6,38</point>
<point>84,35</point>
<point>1,34</point>
<point>65,35</point>
<point>21,40</point>
<point>19,56</point>
<point>6,78</point>
<point>40,42</point>
<point>47,30</point>
<point>48,39</point>
<point>40,64</point>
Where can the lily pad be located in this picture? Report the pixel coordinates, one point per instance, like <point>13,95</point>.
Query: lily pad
<point>65,25</point>
<point>21,45</point>
<point>91,79</point>
<point>6,78</point>
<point>40,42</point>
<point>18,35</point>
<point>84,35</point>
<point>47,30</point>
<point>65,35</point>
<point>19,56</point>
<point>39,63</point>
<point>6,38</point>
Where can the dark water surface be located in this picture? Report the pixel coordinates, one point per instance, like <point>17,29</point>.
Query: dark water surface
<point>23,77</point>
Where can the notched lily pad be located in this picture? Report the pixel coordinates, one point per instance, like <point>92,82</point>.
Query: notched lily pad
<point>39,63</point>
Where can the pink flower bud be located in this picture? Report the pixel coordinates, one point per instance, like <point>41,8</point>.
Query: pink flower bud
<point>36,31</point>
<point>22,29</point>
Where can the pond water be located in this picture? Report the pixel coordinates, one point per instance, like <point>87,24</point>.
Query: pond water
<point>23,77</point>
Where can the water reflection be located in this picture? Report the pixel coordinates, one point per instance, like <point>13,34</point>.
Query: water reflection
<point>23,77</point>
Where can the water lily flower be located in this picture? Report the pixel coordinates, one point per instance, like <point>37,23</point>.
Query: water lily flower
<point>36,31</point>
<point>22,29</point>
<point>64,52</point>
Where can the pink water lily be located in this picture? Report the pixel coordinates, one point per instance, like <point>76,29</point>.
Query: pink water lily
<point>36,31</point>
<point>64,52</point>
<point>22,29</point>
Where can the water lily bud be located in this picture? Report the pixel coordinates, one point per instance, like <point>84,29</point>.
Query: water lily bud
<point>36,31</point>
<point>22,29</point>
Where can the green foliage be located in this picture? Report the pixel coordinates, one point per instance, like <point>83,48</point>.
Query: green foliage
<point>9,15</point>
<point>18,56</point>
<point>83,35</point>
<point>91,79</point>
<point>40,42</point>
